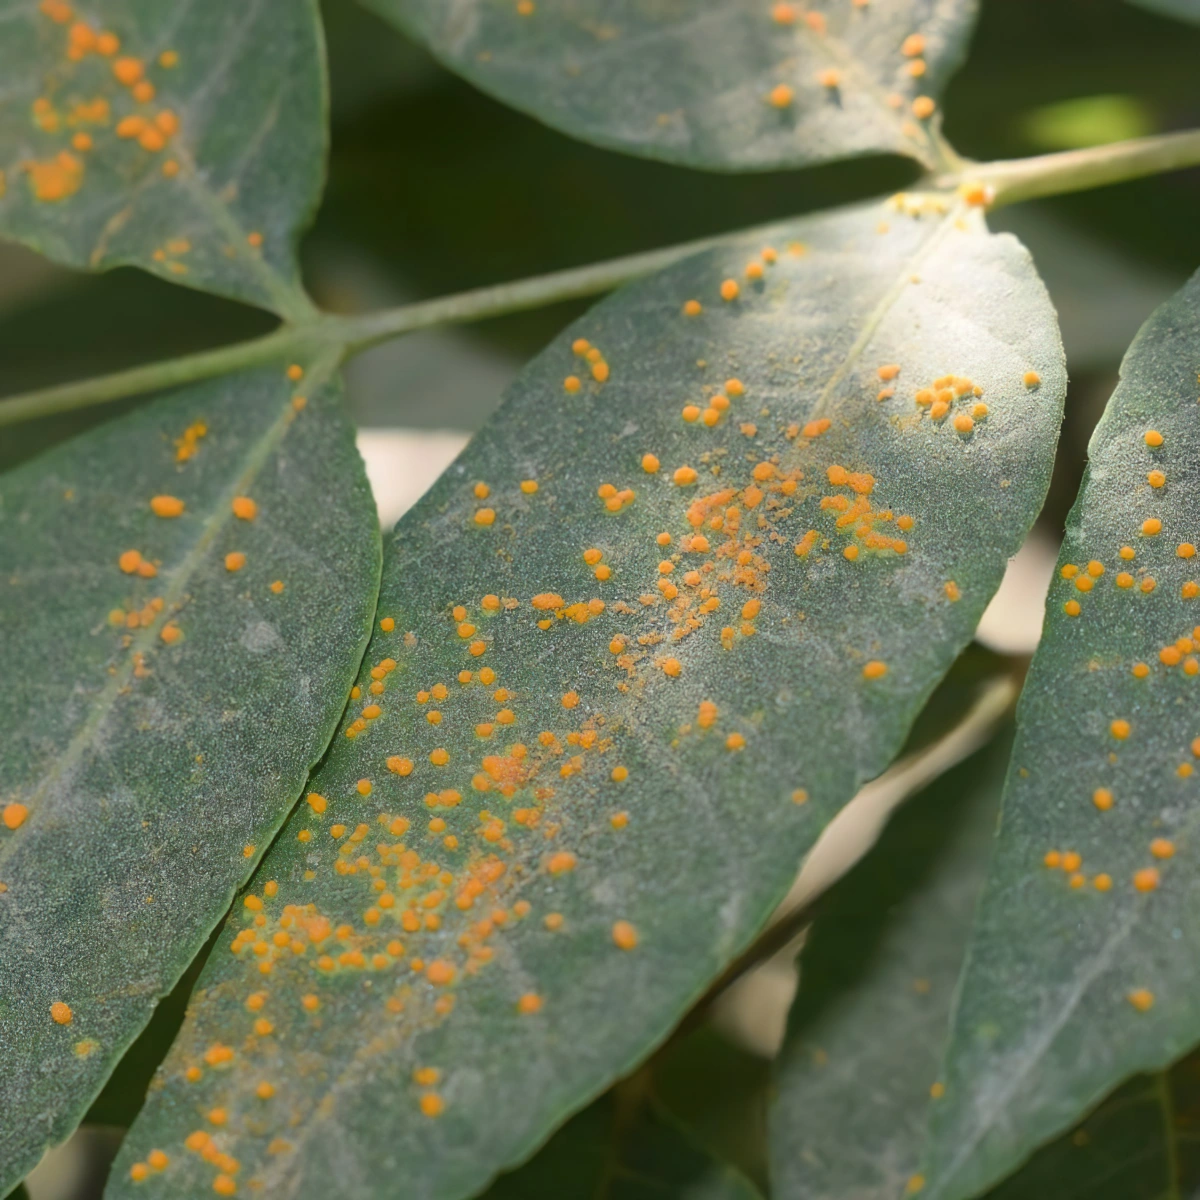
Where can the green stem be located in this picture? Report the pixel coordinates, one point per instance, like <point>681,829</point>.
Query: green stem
<point>1078,170</point>
<point>349,335</point>
<point>103,389</point>
<point>1011,182</point>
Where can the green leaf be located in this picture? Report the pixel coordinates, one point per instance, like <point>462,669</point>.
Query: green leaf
<point>746,702</point>
<point>121,1098</point>
<point>1065,957</point>
<point>186,138</point>
<point>606,1153</point>
<point>877,976</point>
<point>879,971</point>
<point>1184,10</point>
<point>162,704</point>
<point>695,83</point>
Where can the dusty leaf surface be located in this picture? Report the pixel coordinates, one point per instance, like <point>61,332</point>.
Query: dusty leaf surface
<point>185,594</point>
<point>185,138</point>
<point>1082,969</point>
<point>635,648</point>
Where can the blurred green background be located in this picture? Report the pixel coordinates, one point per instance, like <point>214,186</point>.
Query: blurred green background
<point>434,188</point>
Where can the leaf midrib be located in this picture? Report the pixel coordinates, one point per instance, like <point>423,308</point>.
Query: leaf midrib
<point>1067,1009</point>
<point>1166,1104</point>
<point>889,298</point>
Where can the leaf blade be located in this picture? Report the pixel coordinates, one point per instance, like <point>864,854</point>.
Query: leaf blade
<point>542,665</point>
<point>879,971</point>
<point>1125,1150</point>
<point>1083,786</point>
<point>138,651</point>
<point>697,88</point>
<point>204,178</point>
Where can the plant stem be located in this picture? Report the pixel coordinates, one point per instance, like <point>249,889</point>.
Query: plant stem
<point>1078,170</point>
<point>349,335</point>
<point>170,373</point>
<point>359,333</point>
<point>1021,179</point>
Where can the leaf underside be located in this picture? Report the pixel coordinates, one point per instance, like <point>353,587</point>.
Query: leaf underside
<point>695,82</point>
<point>186,138</point>
<point>1082,970</point>
<point>622,706</point>
<point>162,705</point>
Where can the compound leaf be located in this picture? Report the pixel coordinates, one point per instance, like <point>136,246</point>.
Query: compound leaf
<point>636,648</point>
<point>186,138</point>
<point>729,84</point>
<point>185,597</point>
<point>1082,968</point>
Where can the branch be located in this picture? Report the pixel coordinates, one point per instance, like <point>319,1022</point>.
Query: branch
<point>1079,170</point>
<point>189,368</point>
<point>359,333</point>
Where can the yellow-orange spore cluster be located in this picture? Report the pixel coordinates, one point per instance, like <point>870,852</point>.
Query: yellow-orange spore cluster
<point>615,499</point>
<point>597,364</point>
<point>1131,576</point>
<point>94,111</point>
<point>188,442</point>
<point>470,811</point>
<point>955,397</point>
<point>854,515</point>
<point>707,413</point>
